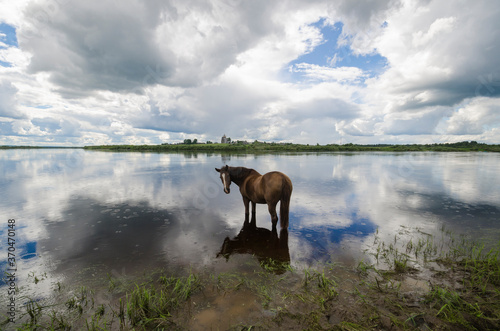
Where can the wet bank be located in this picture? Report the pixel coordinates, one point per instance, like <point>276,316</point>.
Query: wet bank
<point>416,281</point>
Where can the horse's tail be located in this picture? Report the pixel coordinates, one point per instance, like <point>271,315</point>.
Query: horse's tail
<point>286,192</point>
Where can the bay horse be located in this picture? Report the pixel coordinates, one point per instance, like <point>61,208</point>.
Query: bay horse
<point>256,188</point>
<point>262,243</point>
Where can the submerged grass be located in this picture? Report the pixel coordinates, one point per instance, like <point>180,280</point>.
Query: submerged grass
<point>153,306</point>
<point>459,288</point>
<point>464,294</point>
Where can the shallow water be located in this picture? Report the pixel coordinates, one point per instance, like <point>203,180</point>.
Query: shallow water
<point>81,214</point>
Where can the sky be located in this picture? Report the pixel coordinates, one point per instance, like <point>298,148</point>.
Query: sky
<point>78,73</point>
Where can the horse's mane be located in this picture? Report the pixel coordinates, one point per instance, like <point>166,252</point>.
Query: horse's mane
<point>239,173</point>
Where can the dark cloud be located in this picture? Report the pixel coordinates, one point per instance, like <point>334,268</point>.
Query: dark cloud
<point>212,110</point>
<point>152,117</point>
<point>322,109</point>
<point>359,15</point>
<point>455,54</point>
<point>46,124</point>
<point>94,45</point>
<point>100,45</point>
<point>422,123</point>
<point>141,72</point>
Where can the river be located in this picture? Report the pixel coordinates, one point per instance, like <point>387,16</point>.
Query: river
<point>90,214</point>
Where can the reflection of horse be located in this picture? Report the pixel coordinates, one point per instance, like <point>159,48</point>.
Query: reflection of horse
<point>263,243</point>
<point>256,188</point>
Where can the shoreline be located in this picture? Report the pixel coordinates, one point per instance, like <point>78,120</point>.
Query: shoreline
<point>422,282</point>
<point>258,147</point>
<point>264,147</point>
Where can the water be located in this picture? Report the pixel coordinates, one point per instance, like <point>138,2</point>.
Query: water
<point>81,214</point>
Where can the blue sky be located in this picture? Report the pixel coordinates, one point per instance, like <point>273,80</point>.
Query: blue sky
<point>8,34</point>
<point>333,52</point>
<point>8,38</point>
<point>404,71</point>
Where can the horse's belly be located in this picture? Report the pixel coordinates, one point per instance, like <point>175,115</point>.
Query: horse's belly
<point>259,200</point>
<point>256,198</point>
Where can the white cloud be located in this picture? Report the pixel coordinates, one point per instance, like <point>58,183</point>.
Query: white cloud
<point>339,74</point>
<point>155,72</point>
<point>431,51</point>
<point>436,32</point>
<point>8,102</point>
<point>474,117</point>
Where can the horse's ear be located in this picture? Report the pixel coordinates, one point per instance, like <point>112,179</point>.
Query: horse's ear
<point>227,167</point>
<point>218,170</point>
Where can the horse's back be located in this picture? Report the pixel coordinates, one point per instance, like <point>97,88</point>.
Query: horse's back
<point>275,183</point>
<point>276,177</point>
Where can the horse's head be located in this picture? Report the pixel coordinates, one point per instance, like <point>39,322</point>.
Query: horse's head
<point>225,178</point>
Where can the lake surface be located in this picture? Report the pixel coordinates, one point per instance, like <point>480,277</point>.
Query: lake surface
<point>91,214</point>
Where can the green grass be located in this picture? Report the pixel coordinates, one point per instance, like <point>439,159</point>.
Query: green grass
<point>463,293</point>
<point>466,296</point>
<point>152,306</point>
<point>257,147</point>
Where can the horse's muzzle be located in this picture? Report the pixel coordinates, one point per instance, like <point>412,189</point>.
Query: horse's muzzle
<point>226,190</point>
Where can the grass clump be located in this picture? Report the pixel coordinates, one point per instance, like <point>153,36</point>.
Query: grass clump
<point>152,306</point>
<point>325,284</point>
<point>463,279</point>
<point>423,282</point>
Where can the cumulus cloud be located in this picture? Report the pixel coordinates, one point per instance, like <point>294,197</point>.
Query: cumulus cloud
<point>437,52</point>
<point>415,123</point>
<point>474,117</point>
<point>97,45</point>
<point>322,73</point>
<point>161,71</point>
<point>8,102</point>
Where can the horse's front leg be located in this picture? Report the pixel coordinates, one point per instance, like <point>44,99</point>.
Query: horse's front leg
<point>272,210</point>
<point>246,202</point>
<point>253,209</point>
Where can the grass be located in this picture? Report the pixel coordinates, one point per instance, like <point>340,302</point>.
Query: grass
<point>465,296</point>
<point>463,292</point>
<point>326,284</point>
<point>152,306</point>
<point>257,147</point>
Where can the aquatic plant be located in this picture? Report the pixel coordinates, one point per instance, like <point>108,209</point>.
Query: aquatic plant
<point>152,306</point>
<point>461,291</point>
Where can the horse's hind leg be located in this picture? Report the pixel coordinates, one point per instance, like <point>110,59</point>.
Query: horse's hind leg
<point>253,213</point>
<point>272,211</point>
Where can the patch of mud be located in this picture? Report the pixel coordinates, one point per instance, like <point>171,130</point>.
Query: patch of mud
<point>221,311</point>
<point>414,285</point>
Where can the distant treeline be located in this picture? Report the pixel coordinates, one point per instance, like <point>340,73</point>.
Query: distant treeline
<point>465,146</point>
<point>32,147</point>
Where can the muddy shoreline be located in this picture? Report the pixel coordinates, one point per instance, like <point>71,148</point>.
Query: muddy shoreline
<point>423,283</point>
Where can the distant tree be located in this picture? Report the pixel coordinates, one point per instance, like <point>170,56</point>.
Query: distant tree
<point>228,140</point>
<point>195,141</point>
<point>187,141</point>
<point>209,142</point>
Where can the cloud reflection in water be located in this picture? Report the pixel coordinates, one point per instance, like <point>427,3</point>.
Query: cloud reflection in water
<point>138,210</point>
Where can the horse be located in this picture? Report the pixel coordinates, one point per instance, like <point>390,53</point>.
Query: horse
<point>262,243</point>
<point>256,188</point>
